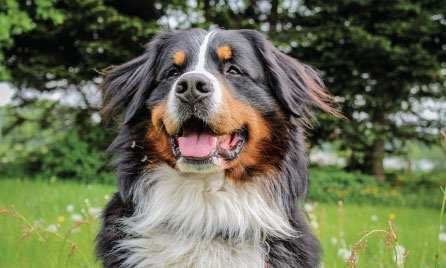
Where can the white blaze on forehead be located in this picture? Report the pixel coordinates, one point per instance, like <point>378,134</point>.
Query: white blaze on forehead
<point>217,94</point>
<point>202,53</point>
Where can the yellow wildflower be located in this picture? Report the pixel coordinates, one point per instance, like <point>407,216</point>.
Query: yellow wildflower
<point>61,219</point>
<point>392,216</point>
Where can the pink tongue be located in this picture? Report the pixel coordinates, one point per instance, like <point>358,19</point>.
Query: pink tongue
<point>197,145</point>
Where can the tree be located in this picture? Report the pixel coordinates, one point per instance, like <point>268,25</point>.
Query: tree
<point>381,58</point>
<point>60,50</point>
<point>14,22</point>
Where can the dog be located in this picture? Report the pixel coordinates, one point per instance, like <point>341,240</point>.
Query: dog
<point>210,155</point>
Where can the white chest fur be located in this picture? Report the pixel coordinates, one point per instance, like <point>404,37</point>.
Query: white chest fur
<point>180,219</point>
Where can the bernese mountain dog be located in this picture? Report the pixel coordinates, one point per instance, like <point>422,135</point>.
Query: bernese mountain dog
<point>210,155</point>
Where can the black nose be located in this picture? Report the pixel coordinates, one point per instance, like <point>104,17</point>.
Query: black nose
<point>193,87</point>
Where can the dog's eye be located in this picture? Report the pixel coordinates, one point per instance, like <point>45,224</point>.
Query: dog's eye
<point>172,73</point>
<point>233,70</point>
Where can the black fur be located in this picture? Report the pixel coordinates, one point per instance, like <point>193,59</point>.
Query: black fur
<point>302,251</point>
<point>280,87</point>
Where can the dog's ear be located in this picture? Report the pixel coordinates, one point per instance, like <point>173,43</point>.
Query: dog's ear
<point>126,87</point>
<point>295,85</point>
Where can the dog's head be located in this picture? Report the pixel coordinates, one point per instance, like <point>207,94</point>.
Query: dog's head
<point>224,100</point>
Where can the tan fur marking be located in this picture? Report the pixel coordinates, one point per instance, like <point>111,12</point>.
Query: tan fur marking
<point>224,52</point>
<point>160,118</point>
<point>179,57</point>
<point>157,142</point>
<point>234,114</point>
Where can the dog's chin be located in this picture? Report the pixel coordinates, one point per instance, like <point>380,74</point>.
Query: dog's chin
<point>197,148</point>
<point>211,165</point>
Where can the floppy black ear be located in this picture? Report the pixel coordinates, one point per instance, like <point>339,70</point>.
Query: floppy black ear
<point>126,86</point>
<point>295,85</point>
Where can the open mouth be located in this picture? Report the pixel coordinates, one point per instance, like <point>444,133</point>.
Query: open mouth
<point>197,141</point>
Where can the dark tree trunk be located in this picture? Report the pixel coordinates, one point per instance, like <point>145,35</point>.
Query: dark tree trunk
<point>273,17</point>
<point>207,11</point>
<point>377,161</point>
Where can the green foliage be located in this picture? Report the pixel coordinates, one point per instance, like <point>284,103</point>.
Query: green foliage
<point>29,132</point>
<point>71,39</point>
<point>74,158</point>
<point>332,184</point>
<point>420,180</point>
<point>41,141</point>
<point>15,21</point>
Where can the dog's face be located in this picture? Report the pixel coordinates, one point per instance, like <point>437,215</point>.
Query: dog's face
<point>211,100</point>
<point>214,101</point>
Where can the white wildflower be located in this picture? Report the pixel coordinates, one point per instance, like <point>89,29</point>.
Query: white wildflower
<point>70,208</point>
<point>442,237</point>
<point>95,212</point>
<point>374,218</point>
<point>341,233</point>
<point>76,217</point>
<point>441,227</point>
<point>314,225</point>
<point>400,251</point>
<point>344,253</point>
<point>86,201</point>
<point>308,207</point>
<point>106,197</point>
<point>334,240</point>
<point>52,228</point>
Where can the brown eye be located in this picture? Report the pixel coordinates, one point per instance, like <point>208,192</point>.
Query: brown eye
<point>233,70</point>
<point>172,73</point>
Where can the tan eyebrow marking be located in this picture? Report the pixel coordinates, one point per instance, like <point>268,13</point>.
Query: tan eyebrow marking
<point>224,52</point>
<point>179,57</point>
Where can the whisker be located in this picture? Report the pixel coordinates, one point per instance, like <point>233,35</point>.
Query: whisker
<point>159,131</point>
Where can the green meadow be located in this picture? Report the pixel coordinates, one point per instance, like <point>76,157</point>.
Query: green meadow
<point>50,209</point>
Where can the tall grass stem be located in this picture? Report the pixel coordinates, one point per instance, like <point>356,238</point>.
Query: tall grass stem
<point>439,225</point>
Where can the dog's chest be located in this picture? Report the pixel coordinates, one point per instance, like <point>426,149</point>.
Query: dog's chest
<point>163,249</point>
<point>199,221</point>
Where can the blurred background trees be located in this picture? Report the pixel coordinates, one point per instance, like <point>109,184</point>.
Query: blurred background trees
<point>383,60</point>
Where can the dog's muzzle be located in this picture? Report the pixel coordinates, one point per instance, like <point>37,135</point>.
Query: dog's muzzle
<point>195,144</point>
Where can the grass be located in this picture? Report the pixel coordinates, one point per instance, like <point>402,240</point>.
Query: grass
<point>45,203</point>
<point>416,231</point>
<point>337,226</point>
